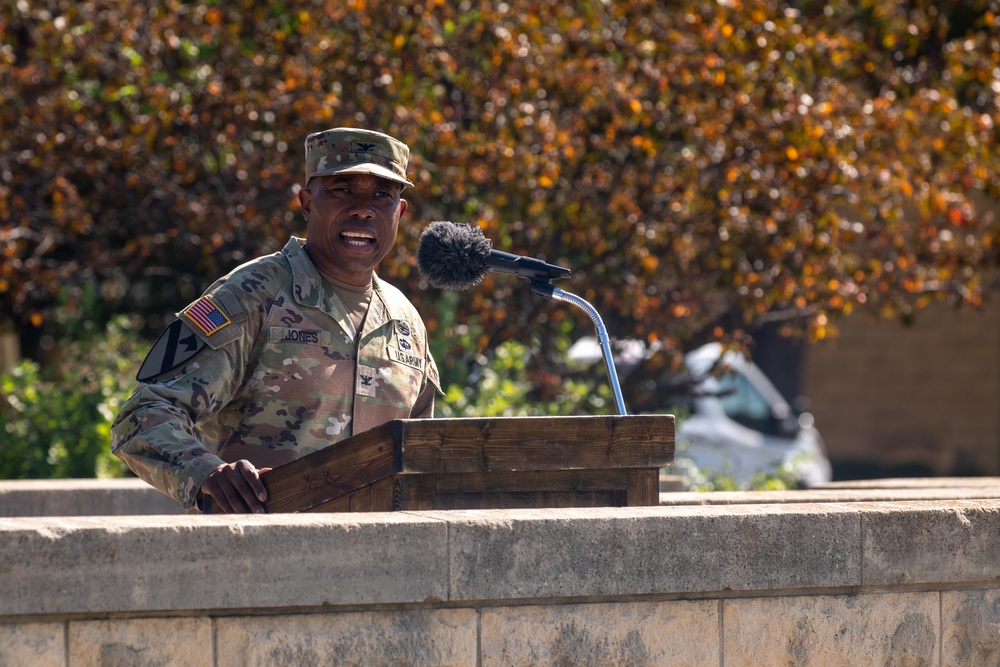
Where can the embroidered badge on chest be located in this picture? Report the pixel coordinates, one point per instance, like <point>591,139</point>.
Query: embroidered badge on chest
<point>301,336</point>
<point>402,353</point>
<point>407,359</point>
<point>367,383</point>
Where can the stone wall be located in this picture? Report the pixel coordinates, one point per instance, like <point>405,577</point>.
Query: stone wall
<point>810,579</point>
<point>83,497</point>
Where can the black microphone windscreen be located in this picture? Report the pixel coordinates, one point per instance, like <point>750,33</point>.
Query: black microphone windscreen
<point>453,256</point>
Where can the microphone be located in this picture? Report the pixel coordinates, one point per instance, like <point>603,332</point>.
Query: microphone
<point>456,257</point>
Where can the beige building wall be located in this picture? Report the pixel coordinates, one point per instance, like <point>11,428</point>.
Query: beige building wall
<point>891,396</point>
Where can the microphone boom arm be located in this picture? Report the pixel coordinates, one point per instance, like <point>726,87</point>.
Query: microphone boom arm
<point>550,291</point>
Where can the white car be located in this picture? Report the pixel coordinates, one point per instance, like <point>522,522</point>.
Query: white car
<point>737,423</point>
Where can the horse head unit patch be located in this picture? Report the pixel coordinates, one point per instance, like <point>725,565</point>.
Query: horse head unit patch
<point>176,345</point>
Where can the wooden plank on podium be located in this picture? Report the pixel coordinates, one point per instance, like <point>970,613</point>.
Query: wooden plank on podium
<point>533,443</point>
<point>481,463</point>
<point>334,472</point>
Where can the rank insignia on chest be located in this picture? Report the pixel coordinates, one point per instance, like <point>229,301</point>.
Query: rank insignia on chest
<point>206,315</point>
<point>367,384</point>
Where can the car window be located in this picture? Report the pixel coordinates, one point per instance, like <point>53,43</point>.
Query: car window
<point>745,405</point>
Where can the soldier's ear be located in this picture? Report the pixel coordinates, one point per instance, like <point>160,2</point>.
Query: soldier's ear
<point>305,202</point>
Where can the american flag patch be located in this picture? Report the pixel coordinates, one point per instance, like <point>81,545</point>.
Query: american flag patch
<point>206,315</point>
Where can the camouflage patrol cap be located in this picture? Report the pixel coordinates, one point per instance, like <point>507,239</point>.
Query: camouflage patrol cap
<point>348,150</point>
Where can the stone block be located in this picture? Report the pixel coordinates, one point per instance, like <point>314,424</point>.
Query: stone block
<point>417,638</point>
<point>159,563</point>
<point>833,630</point>
<point>33,645</point>
<point>971,622</point>
<point>639,550</point>
<point>145,642</point>
<point>675,634</point>
<point>945,541</point>
<point>83,497</point>
<point>831,494</point>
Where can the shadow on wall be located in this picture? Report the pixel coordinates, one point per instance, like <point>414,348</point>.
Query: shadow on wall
<point>854,470</point>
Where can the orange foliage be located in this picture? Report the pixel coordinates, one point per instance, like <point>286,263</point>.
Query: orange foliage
<point>670,157</point>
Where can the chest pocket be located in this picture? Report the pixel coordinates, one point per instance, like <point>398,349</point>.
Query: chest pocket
<point>295,353</point>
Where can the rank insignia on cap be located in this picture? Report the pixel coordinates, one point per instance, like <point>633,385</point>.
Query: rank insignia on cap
<point>206,315</point>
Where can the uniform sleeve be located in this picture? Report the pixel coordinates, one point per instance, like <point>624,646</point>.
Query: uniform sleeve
<point>157,433</point>
<point>423,408</point>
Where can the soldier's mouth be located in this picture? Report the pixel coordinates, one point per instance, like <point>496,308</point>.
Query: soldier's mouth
<point>357,239</point>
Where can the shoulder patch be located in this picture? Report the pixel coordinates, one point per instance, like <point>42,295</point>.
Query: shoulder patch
<point>177,344</point>
<point>206,315</point>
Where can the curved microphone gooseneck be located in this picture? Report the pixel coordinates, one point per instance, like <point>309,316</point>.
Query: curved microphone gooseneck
<point>550,291</point>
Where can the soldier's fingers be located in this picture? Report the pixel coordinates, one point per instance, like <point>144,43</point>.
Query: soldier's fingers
<point>217,492</point>
<point>252,477</point>
<point>248,486</point>
<point>236,492</point>
<point>234,502</point>
<point>223,484</point>
<point>209,488</point>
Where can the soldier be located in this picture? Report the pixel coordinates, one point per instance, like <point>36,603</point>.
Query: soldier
<point>289,353</point>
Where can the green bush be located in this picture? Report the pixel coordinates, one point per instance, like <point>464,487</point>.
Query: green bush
<point>56,422</point>
<point>498,386</point>
<point>783,478</point>
<point>701,479</point>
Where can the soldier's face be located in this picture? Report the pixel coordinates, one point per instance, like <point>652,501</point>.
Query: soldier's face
<point>352,222</point>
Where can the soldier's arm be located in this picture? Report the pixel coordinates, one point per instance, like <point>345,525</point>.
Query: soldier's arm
<point>155,433</point>
<point>423,408</point>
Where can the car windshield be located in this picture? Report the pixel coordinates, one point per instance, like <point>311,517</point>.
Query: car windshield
<point>745,405</point>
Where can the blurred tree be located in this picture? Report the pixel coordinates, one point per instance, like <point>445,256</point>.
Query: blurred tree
<point>703,166</point>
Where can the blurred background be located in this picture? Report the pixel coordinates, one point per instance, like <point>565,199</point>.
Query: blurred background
<point>814,186</point>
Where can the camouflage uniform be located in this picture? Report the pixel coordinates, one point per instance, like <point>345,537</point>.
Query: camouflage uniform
<point>280,376</point>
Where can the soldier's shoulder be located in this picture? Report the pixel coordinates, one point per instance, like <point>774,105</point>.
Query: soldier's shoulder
<point>265,267</point>
<point>399,306</point>
<point>257,279</point>
<point>392,293</point>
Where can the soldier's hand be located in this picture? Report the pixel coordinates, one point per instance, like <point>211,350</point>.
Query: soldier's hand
<point>236,488</point>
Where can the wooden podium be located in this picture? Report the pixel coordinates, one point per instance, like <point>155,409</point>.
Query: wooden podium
<point>480,463</point>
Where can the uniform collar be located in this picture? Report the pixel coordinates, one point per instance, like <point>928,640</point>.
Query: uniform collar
<point>383,307</point>
<point>307,287</point>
